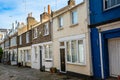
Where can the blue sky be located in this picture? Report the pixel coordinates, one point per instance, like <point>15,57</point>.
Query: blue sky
<point>12,10</point>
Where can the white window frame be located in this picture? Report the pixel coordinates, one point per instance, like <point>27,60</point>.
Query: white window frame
<point>27,37</point>
<point>28,54</point>
<point>110,6</point>
<point>72,17</point>
<point>46,29</point>
<point>70,62</point>
<point>35,50</point>
<point>48,54</point>
<point>60,21</point>
<point>35,33</point>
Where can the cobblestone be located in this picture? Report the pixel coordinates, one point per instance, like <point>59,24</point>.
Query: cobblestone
<point>8,72</point>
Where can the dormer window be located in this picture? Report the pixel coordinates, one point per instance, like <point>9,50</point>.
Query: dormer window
<point>46,29</point>
<point>111,3</point>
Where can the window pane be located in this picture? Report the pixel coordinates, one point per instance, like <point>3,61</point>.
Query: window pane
<point>60,21</point>
<point>46,51</point>
<point>113,2</point>
<point>35,48</point>
<point>50,52</point>
<point>74,51</point>
<point>118,1</point>
<point>81,51</point>
<point>68,52</point>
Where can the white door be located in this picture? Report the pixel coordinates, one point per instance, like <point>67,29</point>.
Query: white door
<point>114,56</point>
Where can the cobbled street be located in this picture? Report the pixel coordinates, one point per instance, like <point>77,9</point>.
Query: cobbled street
<point>8,72</point>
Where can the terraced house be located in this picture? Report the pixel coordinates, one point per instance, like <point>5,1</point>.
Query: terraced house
<point>13,48</point>
<point>71,39</point>
<point>25,41</point>
<point>42,56</point>
<point>105,37</point>
<point>6,58</point>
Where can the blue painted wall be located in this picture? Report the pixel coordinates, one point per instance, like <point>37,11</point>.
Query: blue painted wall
<point>95,53</point>
<point>98,15</point>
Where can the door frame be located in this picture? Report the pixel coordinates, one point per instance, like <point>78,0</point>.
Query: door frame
<point>60,60</point>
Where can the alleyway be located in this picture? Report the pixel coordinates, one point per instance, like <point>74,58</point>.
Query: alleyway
<point>14,73</point>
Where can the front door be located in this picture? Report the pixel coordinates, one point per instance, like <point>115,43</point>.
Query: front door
<point>62,60</point>
<point>114,56</point>
<point>40,57</point>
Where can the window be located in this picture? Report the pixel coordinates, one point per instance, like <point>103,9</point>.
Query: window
<point>68,51</point>
<point>80,51</point>
<point>13,41</point>
<point>75,51</point>
<point>48,51</point>
<point>60,21</point>
<point>35,50</point>
<point>27,37</point>
<point>111,3</point>
<point>20,39</point>
<point>74,17</point>
<point>28,57</point>
<point>46,29</point>
<point>35,33</point>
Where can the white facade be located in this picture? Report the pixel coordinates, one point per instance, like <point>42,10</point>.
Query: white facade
<point>13,56</point>
<point>71,41</point>
<point>24,56</point>
<point>41,57</point>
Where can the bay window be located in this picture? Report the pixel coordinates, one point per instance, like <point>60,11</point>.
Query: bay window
<point>75,51</point>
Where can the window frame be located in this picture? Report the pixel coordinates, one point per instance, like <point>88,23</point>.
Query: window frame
<point>35,33</point>
<point>46,29</point>
<point>116,5</point>
<point>48,54</point>
<point>77,63</point>
<point>20,39</point>
<point>27,37</point>
<point>72,17</point>
<point>60,20</point>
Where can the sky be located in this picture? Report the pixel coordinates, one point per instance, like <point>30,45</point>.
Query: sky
<point>17,10</point>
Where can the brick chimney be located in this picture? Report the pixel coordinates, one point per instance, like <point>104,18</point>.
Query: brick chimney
<point>46,15</point>
<point>30,21</point>
<point>49,10</point>
<point>71,2</point>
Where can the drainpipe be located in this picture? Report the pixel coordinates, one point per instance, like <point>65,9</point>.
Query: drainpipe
<point>101,59</point>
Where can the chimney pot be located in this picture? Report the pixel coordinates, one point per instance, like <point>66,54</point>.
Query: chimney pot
<point>49,10</point>
<point>30,14</point>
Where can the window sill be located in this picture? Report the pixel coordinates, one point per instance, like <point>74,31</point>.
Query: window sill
<point>45,34</point>
<point>60,29</point>
<point>81,64</point>
<point>74,25</point>
<point>34,37</point>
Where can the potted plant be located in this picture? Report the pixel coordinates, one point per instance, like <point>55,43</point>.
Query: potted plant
<point>53,70</point>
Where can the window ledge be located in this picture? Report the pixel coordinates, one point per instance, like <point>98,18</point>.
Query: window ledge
<point>34,37</point>
<point>74,25</point>
<point>81,64</point>
<point>45,34</point>
<point>60,29</point>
